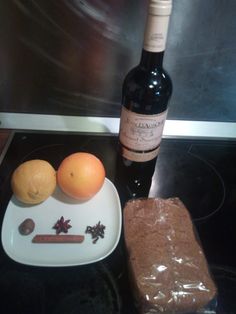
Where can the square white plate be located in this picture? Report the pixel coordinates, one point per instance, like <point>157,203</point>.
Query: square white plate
<point>104,207</point>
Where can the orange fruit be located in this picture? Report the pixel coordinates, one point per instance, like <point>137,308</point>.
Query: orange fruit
<point>81,175</point>
<point>33,181</point>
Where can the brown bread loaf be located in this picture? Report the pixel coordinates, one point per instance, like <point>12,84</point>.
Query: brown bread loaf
<point>168,267</point>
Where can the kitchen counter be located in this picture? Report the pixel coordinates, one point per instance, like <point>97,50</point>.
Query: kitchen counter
<point>201,173</point>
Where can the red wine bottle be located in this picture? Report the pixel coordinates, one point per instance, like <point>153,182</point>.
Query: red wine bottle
<point>146,91</point>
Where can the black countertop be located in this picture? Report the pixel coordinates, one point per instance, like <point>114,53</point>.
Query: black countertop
<point>201,173</point>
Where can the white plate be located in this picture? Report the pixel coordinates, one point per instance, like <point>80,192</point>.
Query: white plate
<point>104,207</point>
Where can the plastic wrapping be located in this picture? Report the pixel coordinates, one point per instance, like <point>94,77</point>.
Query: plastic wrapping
<point>169,271</point>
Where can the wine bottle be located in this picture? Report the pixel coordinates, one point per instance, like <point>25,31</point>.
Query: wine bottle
<point>145,94</point>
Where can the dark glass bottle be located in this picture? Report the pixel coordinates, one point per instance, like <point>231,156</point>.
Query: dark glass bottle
<point>145,95</point>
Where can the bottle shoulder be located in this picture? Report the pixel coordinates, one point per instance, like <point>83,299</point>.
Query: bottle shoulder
<point>140,77</point>
<point>146,89</point>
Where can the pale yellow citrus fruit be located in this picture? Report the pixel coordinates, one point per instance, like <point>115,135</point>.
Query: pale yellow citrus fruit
<point>33,181</point>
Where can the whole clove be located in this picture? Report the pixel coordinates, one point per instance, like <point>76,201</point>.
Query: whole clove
<point>97,231</point>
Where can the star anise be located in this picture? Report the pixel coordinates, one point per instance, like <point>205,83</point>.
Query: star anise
<point>62,225</point>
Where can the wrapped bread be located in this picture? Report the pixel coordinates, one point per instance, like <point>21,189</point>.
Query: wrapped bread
<point>168,268</point>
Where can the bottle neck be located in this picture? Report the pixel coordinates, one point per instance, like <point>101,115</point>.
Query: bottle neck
<point>156,30</point>
<point>151,60</point>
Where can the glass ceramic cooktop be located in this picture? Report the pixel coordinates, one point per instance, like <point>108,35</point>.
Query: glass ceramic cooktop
<point>201,173</point>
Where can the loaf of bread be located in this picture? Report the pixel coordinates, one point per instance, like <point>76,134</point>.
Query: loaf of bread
<point>169,271</point>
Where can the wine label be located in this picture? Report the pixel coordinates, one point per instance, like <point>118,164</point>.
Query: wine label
<point>156,33</point>
<point>139,156</point>
<point>141,133</point>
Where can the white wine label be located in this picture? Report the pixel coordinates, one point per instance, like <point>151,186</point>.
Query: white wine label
<point>156,33</point>
<point>141,132</point>
<point>140,157</point>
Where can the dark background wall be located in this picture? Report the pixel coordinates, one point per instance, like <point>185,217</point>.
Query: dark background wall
<point>70,57</point>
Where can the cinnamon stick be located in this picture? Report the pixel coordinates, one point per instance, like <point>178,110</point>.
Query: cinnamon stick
<point>56,238</point>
